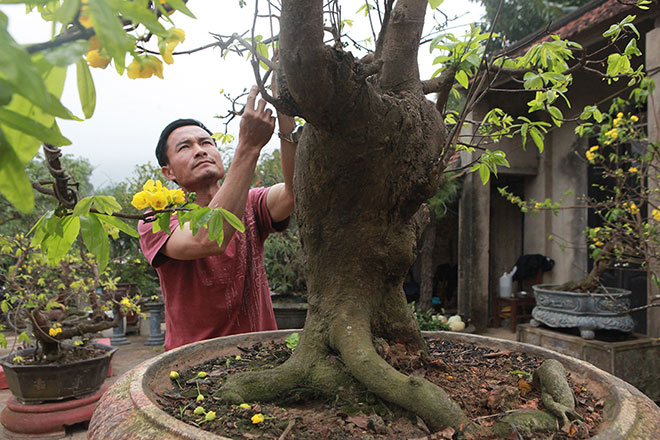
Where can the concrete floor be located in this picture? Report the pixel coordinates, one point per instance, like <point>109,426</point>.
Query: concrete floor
<point>128,356</point>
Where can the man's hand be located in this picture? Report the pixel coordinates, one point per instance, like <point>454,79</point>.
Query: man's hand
<point>257,124</point>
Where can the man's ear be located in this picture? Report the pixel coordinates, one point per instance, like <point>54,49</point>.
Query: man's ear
<point>167,172</point>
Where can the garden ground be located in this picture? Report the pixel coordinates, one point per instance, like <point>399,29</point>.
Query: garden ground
<point>128,356</point>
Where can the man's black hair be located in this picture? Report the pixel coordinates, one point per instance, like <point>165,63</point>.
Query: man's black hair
<point>161,148</point>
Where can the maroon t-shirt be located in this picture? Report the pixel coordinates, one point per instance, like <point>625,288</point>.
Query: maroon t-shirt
<point>219,295</point>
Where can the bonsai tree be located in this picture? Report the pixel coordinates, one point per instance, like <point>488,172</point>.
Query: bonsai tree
<point>623,199</point>
<point>372,151</point>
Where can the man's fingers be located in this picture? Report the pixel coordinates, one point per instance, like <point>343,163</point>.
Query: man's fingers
<point>252,96</point>
<point>261,105</point>
<point>269,113</point>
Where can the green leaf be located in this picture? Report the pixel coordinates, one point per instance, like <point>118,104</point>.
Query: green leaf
<point>484,173</point>
<point>181,6</point>
<point>95,238</point>
<point>86,89</point>
<point>139,12</point>
<point>106,204</point>
<point>215,227</point>
<point>119,224</point>
<point>537,137</point>
<point>462,78</point>
<point>163,221</point>
<point>66,54</point>
<point>110,31</point>
<point>556,114</point>
<point>24,338</point>
<point>5,92</point>
<point>57,246</point>
<point>32,128</point>
<point>83,206</point>
<point>67,11</point>
<point>435,3</point>
<point>234,221</point>
<point>14,182</point>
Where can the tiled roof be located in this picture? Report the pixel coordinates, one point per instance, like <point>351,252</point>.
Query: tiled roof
<point>593,16</point>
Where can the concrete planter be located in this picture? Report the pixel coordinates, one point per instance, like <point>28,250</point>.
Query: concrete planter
<point>290,311</point>
<point>586,311</point>
<point>128,408</point>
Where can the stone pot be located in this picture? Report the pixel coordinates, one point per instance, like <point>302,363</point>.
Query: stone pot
<point>129,410</point>
<point>586,311</point>
<point>34,384</point>
<point>290,311</point>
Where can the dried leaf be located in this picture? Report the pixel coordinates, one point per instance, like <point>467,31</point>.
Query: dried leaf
<point>531,404</point>
<point>523,386</point>
<point>445,434</point>
<point>359,421</point>
<point>497,354</point>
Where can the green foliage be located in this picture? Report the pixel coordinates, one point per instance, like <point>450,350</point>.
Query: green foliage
<point>292,341</point>
<point>427,320</point>
<point>518,18</point>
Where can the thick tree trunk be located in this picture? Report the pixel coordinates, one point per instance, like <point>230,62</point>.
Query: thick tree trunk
<point>370,155</point>
<point>426,277</point>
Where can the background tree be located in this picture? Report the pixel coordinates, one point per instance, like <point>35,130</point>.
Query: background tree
<point>519,18</point>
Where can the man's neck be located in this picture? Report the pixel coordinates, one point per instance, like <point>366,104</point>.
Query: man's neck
<point>204,194</point>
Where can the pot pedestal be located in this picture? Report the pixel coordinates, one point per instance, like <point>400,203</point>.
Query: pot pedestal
<point>46,420</point>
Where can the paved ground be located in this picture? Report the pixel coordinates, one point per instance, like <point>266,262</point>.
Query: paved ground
<point>130,355</point>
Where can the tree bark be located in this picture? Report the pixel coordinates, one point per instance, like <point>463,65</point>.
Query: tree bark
<point>426,277</point>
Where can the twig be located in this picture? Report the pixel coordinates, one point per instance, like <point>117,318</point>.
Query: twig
<point>288,429</point>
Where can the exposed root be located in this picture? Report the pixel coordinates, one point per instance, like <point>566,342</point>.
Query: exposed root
<point>353,341</point>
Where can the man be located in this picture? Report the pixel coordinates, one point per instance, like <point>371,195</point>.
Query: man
<point>213,290</point>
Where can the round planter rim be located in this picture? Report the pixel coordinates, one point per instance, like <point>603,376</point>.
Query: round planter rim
<point>547,288</point>
<point>110,350</point>
<point>625,396</point>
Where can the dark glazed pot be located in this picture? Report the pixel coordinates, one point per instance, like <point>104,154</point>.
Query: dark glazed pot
<point>128,408</point>
<point>586,311</point>
<point>48,383</point>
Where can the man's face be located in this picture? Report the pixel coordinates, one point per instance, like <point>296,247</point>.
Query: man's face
<point>193,158</point>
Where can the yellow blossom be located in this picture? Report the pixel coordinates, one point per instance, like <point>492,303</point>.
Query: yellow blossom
<point>616,122</point>
<point>633,208</point>
<point>594,148</point>
<point>619,115</point>
<point>599,243</point>
<point>199,410</point>
<point>590,156</point>
<point>178,196</point>
<point>174,375</point>
<point>200,397</point>
<point>167,45</point>
<point>613,133</point>
<point>656,215</point>
<point>140,200</point>
<point>145,67</point>
<point>633,170</point>
<point>257,418</point>
<point>157,200</point>
<point>150,186</point>
<point>94,59</point>
<point>84,18</point>
<point>634,118</point>
<point>210,416</point>
<point>54,331</point>
<point>125,302</point>
<point>244,406</point>
<point>537,205</point>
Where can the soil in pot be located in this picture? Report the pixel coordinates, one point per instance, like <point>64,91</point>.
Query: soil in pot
<point>487,384</point>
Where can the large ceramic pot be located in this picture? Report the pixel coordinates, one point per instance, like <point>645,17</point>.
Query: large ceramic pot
<point>49,383</point>
<point>129,410</point>
<point>586,311</point>
<point>290,310</point>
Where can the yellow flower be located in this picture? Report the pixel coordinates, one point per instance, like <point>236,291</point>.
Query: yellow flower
<point>54,331</point>
<point>634,118</point>
<point>594,148</point>
<point>167,45</point>
<point>537,206</point>
<point>178,196</point>
<point>633,208</point>
<point>616,122</point>
<point>174,375</point>
<point>244,406</point>
<point>200,397</point>
<point>210,416</point>
<point>157,200</point>
<point>199,410</point>
<point>140,200</point>
<point>84,18</point>
<point>125,302</point>
<point>599,243</point>
<point>257,418</point>
<point>656,215</point>
<point>150,186</point>
<point>590,156</point>
<point>613,133</point>
<point>145,67</point>
<point>633,170</point>
<point>95,59</point>
<point>619,115</point>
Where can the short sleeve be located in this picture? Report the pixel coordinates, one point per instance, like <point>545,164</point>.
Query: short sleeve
<point>257,200</point>
<point>152,242</point>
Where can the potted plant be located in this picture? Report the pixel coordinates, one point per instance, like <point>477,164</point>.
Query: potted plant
<point>57,309</point>
<point>625,232</point>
